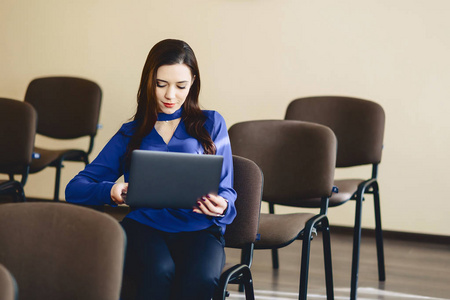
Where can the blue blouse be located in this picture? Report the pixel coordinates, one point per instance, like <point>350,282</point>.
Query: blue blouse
<point>92,186</point>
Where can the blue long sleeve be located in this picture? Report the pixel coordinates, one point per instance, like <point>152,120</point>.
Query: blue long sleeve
<point>92,186</point>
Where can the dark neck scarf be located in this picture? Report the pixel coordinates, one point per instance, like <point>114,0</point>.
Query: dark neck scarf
<point>166,117</point>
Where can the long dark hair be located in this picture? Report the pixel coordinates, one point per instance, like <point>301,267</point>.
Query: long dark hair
<point>169,52</point>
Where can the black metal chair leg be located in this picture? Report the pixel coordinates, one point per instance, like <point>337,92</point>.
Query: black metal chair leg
<point>221,290</point>
<point>248,283</point>
<point>244,258</point>
<point>275,259</point>
<point>356,246</point>
<point>379,234</point>
<point>86,159</point>
<point>304,266</point>
<point>57,181</point>
<point>21,194</point>
<point>327,259</point>
<point>18,194</point>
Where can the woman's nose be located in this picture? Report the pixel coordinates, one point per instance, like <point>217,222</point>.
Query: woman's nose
<point>170,93</point>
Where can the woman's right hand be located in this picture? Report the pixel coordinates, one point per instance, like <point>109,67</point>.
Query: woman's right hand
<point>118,191</point>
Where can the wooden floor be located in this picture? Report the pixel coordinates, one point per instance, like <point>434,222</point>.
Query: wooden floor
<point>414,270</point>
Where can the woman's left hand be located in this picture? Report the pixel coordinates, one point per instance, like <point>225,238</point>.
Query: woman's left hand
<point>211,205</point>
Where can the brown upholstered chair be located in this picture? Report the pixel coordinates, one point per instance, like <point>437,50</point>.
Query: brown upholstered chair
<point>18,122</point>
<point>297,160</point>
<point>242,233</point>
<point>359,128</point>
<point>68,108</point>
<point>62,251</point>
<point>8,285</point>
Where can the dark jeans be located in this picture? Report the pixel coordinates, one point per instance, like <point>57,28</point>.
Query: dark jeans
<point>161,265</point>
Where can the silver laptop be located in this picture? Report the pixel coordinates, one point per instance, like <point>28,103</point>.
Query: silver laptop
<point>171,179</point>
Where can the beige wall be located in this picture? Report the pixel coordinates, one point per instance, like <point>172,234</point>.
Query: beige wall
<point>255,57</point>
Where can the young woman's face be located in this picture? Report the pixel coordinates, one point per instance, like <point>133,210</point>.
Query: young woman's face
<point>172,87</point>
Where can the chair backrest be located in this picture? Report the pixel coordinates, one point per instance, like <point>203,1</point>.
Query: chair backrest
<point>18,122</point>
<point>357,123</point>
<point>68,107</point>
<point>8,285</point>
<point>62,251</point>
<point>248,184</point>
<point>296,158</point>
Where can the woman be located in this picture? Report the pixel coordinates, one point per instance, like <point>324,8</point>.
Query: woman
<point>171,253</point>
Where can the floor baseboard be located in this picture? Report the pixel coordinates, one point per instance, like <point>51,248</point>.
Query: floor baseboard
<point>398,235</point>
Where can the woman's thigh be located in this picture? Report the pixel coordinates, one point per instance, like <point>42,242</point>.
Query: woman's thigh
<point>199,260</point>
<point>146,247</point>
<point>149,266</point>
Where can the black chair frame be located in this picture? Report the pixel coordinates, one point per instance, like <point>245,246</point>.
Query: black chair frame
<point>238,274</point>
<point>367,187</point>
<point>73,156</point>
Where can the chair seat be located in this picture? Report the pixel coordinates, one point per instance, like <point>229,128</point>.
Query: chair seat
<point>47,157</point>
<point>346,188</point>
<point>287,229</point>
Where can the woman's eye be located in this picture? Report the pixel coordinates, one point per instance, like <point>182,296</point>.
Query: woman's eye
<point>160,84</point>
<point>181,87</point>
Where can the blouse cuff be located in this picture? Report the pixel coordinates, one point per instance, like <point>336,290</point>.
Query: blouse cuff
<point>107,194</point>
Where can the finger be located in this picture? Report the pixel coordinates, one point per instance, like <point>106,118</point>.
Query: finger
<point>209,208</point>
<point>210,205</point>
<point>218,201</point>
<point>212,198</point>
<point>120,198</point>
<point>204,209</point>
<point>197,210</point>
<point>116,196</point>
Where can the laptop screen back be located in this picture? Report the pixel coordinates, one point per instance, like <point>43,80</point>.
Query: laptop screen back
<point>171,179</point>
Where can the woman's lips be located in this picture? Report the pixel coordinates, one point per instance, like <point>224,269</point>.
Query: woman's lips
<point>169,105</point>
